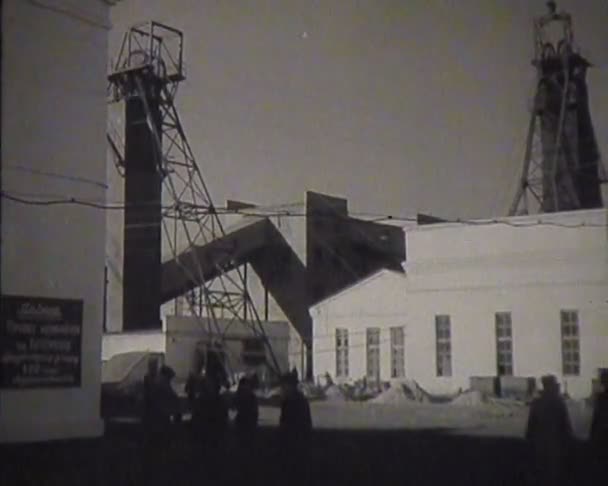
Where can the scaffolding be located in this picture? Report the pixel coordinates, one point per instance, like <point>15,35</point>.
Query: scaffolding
<point>147,72</point>
<point>562,168</point>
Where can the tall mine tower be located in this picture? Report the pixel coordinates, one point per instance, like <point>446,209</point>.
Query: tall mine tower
<point>562,170</point>
<point>174,241</point>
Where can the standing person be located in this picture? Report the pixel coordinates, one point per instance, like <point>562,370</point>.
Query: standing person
<point>295,429</point>
<point>209,422</point>
<point>210,417</point>
<point>549,433</point>
<point>152,422</point>
<point>247,412</point>
<point>150,386</point>
<point>599,429</point>
<point>194,382</point>
<point>169,401</point>
<point>245,424</point>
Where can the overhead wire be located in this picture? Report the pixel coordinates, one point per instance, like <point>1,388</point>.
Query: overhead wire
<point>55,175</point>
<point>224,210</point>
<point>73,13</point>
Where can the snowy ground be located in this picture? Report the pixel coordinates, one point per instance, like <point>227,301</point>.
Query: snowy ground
<point>352,443</point>
<point>498,419</point>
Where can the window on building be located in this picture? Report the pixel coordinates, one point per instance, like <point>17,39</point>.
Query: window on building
<point>443,340</point>
<point>397,352</point>
<point>504,344</point>
<point>341,353</point>
<point>373,353</point>
<point>571,357</point>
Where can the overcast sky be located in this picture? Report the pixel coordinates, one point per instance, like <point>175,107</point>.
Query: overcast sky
<point>399,105</point>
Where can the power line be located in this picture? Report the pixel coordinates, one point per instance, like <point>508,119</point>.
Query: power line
<point>71,201</point>
<point>291,214</point>
<point>73,13</point>
<point>56,175</point>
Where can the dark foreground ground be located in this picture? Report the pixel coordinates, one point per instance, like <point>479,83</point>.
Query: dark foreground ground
<point>400,457</point>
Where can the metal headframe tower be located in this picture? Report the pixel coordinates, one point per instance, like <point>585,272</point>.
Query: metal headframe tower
<point>168,207</point>
<point>562,168</point>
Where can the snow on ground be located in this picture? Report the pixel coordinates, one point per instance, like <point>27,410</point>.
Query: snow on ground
<point>493,418</point>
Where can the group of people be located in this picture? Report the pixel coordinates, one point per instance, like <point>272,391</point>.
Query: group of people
<point>210,408</point>
<point>160,402</point>
<point>549,431</point>
<point>550,435</point>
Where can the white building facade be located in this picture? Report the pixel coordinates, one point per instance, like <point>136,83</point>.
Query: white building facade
<point>54,63</point>
<point>522,297</point>
<point>183,334</point>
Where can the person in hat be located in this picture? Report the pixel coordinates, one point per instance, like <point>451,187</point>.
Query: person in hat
<point>549,433</point>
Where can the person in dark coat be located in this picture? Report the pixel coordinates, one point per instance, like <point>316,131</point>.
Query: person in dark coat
<point>599,429</point>
<point>210,415</point>
<point>247,412</point>
<point>150,386</point>
<point>161,403</point>
<point>209,424</point>
<point>195,377</point>
<point>169,401</point>
<point>295,429</point>
<point>549,433</point>
<point>154,426</point>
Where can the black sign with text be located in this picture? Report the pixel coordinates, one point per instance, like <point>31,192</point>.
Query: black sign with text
<point>40,342</point>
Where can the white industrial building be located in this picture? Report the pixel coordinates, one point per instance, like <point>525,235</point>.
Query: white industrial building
<point>181,335</point>
<point>521,296</point>
<point>54,66</point>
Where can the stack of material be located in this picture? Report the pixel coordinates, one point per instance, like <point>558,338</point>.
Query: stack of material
<point>471,398</point>
<point>311,391</point>
<point>486,406</point>
<point>404,391</point>
<point>394,395</point>
<point>414,391</point>
<point>335,394</point>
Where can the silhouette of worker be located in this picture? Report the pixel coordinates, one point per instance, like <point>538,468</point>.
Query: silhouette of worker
<point>210,415</point>
<point>247,411</point>
<point>195,378</point>
<point>214,368</point>
<point>295,429</point>
<point>149,391</point>
<point>549,433</point>
<point>154,426</point>
<point>169,401</point>
<point>209,423</point>
<point>161,403</point>
<point>599,429</point>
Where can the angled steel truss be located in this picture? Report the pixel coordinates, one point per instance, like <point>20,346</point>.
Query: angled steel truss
<point>150,66</point>
<point>562,169</point>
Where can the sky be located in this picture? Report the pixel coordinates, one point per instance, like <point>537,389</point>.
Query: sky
<point>402,106</point>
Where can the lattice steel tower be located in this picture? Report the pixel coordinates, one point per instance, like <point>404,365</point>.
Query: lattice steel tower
<point>168,207</point>
<point>562,169</point>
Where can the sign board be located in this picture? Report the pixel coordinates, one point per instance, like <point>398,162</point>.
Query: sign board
<point>40,342</point>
